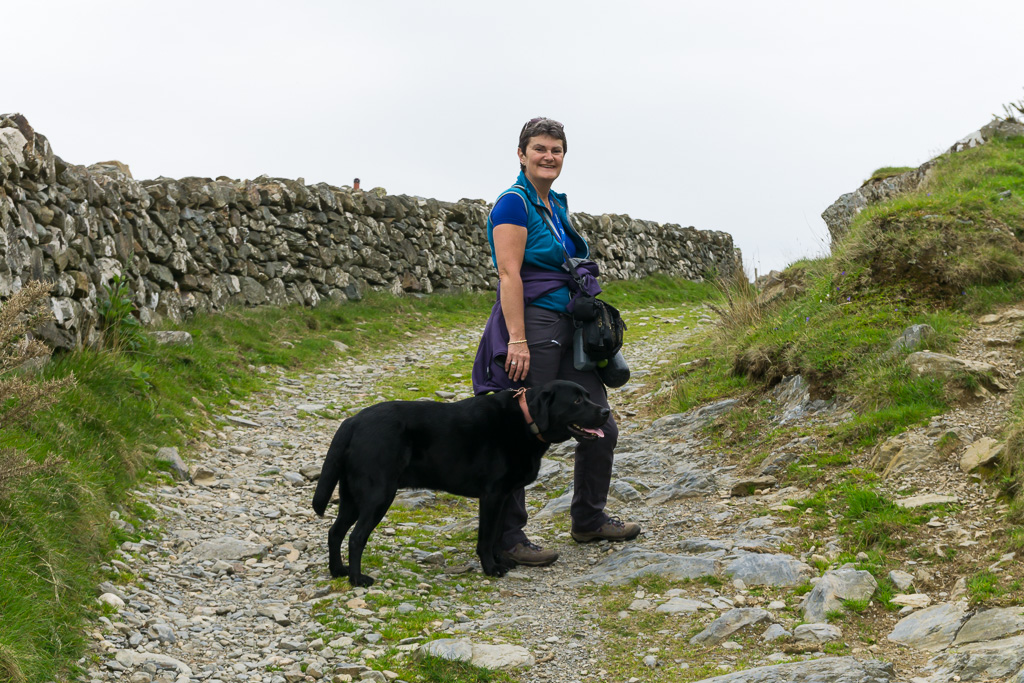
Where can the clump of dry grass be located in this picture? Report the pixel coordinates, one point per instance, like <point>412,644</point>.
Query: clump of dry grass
<point>9,667</point>
<point>742,308</point>
<point>22,393</point>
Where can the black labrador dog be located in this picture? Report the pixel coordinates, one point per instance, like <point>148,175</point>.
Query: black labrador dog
<point>483,447</point>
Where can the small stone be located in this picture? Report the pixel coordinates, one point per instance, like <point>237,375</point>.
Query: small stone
<point>925,499</point>
<point>983,453</point>
<point>171,338</point>
<point>241,421</point>
<point>292,644</point>
<point>915,600</point>
<point>163,633</point>
<point>817,633</point>
<point>901,579</point>
<point>169,455</point>
<point>203,476</point>
<point>746,487</point>
<point>294,478</point>
<point>111,600</point>
<point>775,632</point>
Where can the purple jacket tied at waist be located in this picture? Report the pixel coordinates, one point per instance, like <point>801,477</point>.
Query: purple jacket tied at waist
<point>489,367</point>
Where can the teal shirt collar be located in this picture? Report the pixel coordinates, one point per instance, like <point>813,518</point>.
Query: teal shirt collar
<point>531,192</point>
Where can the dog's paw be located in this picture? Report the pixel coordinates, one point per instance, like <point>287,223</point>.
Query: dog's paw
<point>364,580</point>
<point>506,562</point>
<point>496,569</point>
<point>338,572</point>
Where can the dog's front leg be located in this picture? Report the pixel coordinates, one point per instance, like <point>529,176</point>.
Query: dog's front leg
<point>492,507</point>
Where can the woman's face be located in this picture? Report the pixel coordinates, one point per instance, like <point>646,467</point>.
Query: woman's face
<point>543,157</point>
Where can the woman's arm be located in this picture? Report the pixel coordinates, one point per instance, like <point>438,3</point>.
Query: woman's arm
<point>509,249</point>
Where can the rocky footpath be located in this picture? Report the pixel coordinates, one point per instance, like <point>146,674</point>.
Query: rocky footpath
<point>200,244</point>
<point>233,585</point>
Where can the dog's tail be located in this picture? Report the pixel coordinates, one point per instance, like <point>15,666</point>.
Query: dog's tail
<point>331,472</point>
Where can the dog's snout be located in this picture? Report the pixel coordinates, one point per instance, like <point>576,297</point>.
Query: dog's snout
<point>605,412</point>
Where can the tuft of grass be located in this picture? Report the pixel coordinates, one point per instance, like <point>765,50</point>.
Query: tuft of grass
<point>857,606</point>
<point>438,670</point>
<point>741,307</point>
<point>888,172</point>
<point>983,586</point>
<point>865,520</point>
<point>803,589</point>
<point>122,331</point>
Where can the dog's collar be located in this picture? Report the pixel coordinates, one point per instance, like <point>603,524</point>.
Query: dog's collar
<point>534,429</point>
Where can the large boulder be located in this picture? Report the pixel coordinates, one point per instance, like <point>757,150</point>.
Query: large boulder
<point>631,563</point>
<point>983,453</point>
<point>998,660</point>
<point>942,366</point>
<point>824,670</point>
<point>991,624</point>
<point>766,569</point>
<point>906,452</point>
<point>932,629</point>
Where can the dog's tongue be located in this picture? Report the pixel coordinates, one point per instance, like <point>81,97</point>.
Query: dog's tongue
<point>596,432</point>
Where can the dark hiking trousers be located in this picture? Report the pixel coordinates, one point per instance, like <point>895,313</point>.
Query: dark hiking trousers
<point>549,336</point>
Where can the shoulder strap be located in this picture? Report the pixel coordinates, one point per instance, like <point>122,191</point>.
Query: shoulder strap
<point>551,226</point>
<point>512,190</point>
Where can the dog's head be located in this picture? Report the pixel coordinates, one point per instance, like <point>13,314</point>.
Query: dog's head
<point>562,410</point>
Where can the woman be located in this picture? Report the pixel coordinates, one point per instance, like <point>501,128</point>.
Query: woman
<point>528,340</point>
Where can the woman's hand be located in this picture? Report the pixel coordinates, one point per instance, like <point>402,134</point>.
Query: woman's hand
<point>517,362</point>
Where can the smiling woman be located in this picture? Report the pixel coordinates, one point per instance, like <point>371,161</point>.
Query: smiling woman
<point>528,338</point>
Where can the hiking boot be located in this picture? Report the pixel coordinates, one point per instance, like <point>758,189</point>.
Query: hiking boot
<point>612,530</point>
<point>530,554</point>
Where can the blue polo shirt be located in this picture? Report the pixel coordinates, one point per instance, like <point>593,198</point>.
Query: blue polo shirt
<point>545,247</point>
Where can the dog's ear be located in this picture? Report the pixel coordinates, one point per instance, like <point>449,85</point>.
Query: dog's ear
<point>540,408</point>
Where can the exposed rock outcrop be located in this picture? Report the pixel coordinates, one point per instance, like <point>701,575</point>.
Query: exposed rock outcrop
<point>839,216</point>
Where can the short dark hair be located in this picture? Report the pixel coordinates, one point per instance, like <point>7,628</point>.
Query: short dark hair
<point>541,126</point>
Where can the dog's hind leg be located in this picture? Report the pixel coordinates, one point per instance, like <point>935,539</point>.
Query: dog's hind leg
<point>347,513</point>
<point>372,509</point>
<point>492,509</point>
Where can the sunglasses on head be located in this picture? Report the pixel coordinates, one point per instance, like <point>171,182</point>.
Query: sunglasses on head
<point>538,120</point>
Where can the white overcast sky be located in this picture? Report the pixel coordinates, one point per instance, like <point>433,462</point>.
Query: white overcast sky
<point>749,117</point>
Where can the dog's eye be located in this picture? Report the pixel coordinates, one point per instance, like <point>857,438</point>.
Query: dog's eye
<point>579,399</point>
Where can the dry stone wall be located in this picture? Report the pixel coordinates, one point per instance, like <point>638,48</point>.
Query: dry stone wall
<point>195,244</point>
